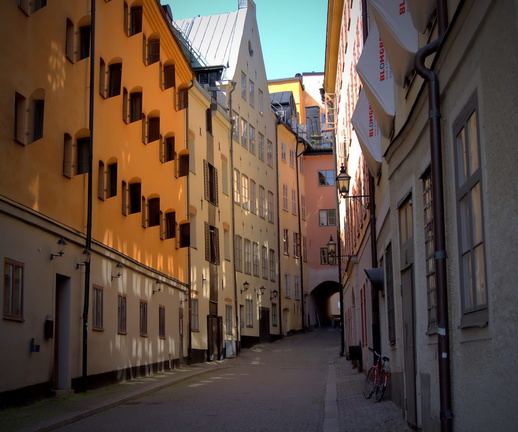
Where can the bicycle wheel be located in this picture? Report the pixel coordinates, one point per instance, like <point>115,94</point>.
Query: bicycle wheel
<point>382,385</point>
<point>368,385</point>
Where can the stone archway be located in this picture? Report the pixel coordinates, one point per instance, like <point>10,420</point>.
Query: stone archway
<point>323,305</point>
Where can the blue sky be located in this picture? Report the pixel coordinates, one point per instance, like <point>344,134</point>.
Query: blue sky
<point>292,32</point>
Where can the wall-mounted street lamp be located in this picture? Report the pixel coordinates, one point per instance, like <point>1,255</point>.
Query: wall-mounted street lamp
<point>332,255</point>
<point>185,297</point>
<point>87,256</point>
<point>260,291</point>
<point>158,285</point>
<point>245,287</point>
<point>119,274</point>
<point>343,182</point>
<point>273,294</point>
<point>61,248</point>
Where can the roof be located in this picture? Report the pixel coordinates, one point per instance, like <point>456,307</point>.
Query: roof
<point>214,38</point>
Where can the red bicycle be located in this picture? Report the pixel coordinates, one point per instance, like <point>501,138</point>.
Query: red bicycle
<point>377,378</point>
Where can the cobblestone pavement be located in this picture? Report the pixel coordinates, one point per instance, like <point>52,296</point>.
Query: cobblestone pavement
<point>358,414</point>
<point>325,395</point>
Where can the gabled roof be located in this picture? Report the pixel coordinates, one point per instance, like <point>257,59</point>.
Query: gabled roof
<point>215,39</point>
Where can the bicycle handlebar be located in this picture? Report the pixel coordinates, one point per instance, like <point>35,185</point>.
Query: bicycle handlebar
<point>378,355</point>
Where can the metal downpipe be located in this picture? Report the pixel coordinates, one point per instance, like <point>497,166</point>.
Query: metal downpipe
<point>431,78</point>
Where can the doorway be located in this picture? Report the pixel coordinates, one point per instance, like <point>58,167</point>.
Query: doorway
<point>61,363</point>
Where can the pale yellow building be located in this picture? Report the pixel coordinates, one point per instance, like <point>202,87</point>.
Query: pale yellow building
<point>109,246</point>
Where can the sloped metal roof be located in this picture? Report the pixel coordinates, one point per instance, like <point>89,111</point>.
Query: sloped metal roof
<point>212,37</point>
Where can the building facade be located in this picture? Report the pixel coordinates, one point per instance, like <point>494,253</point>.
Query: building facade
<point>93,235</point>
<point>425,77</point>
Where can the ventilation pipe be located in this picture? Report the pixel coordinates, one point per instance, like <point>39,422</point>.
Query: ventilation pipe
<point>438,215</point>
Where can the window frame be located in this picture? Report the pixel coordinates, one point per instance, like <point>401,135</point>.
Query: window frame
<point>97,308</point>
<point>13,304</point>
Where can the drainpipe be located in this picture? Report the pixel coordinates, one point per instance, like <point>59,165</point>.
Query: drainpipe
<point>300,229</point>
<point>276,161</point>
<point>88,246</point>
<point>189,257</point>
<point>438,216</point>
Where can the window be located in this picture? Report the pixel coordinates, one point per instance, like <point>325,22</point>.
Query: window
<point>261,146</point>
<point>261,101</point>
<point>253,197</point>
<point>285,241</point>
<point>185,234</point>
<point>283,152</point>
<point>264,259</point>
<point>303,206</point>
<point>238,253</point>
<point>248,258</point>
<point>170,225</point>
<point>135,106</point>
<point>269,153</point>
<point>243,85</point>
<point>36,114</point>
<point>324,256</point>
<point>102,77</point>
<point>244,191</point>
<point>262,202</point>
<point>83,155</point>
<point>161,322</point>
<point>251,140</point>
<point>271,213</point>
<point>251,93</point>
<point>224,172</point>
<point>143,318</point>
<point>273,266</point>
<point>69,41</point>
<point>470,210</point>
<point>255,251</point>
<point>84,42</point>
<point>169,77</point>
<point>211,243</point>
<point>115,79</point>
<point>249,313</point>
<point>121,314</point>
<point>135,198</point>
<point>294,201</point>
<point>297,287</point>
<point>244,133</point>
<point>153,209</point>
<point>287,286</point>
<point>183,99</point>
<point>235,124</point>
<point>326,178</point>
<point>327,217</point>
<point>429,252</point>
<point>275,319</point>
<point>304,248</point>
<point>153,51</point>
<point>228,319</point>
<point>195,321</point>
<point>292,158</point>
<point>97,308</point>
<point>237,187</point>
<point>153,130</point>
<point>135,20</point>
<point>183,165</point>
<point>296,245</point>
<point>111,180</point>
<point>13,290</point>
<point>211,183</point>
<point>285,197</point>
<point>168,149</point>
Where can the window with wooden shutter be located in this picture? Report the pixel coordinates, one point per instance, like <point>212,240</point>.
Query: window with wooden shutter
<point>211,243</point>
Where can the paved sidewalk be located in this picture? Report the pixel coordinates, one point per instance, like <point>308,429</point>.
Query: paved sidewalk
<point>50,414</point>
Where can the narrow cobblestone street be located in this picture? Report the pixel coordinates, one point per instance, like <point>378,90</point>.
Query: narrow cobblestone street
<point>296,384</point>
